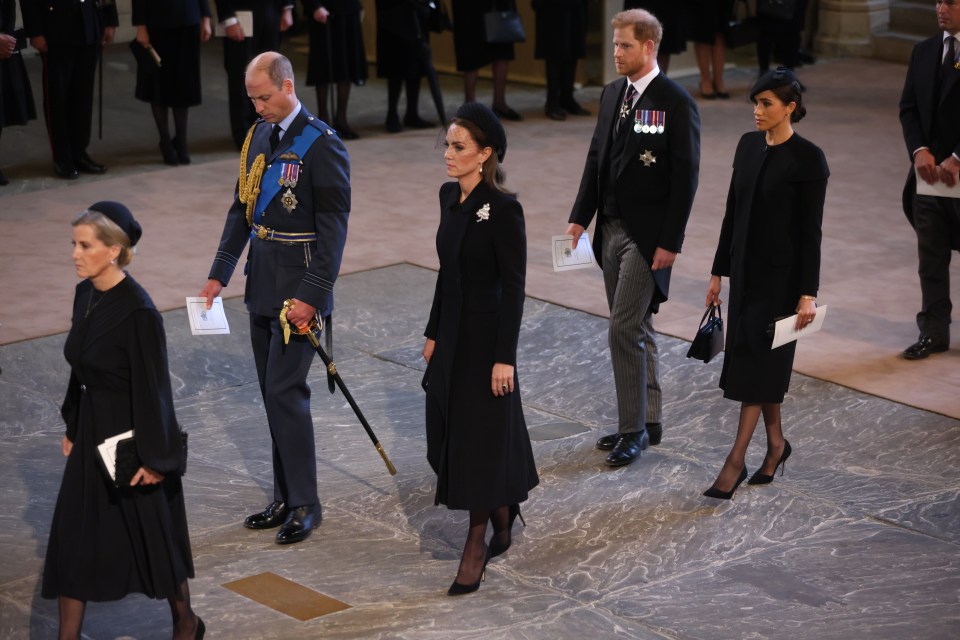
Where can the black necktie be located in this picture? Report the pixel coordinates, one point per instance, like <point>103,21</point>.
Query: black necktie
<point>274,137</point>
<point>949,59</point>
<point>626,106</point>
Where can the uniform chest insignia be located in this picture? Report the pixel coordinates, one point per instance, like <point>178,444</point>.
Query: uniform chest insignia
<point>289,156</point>
<point>289,200</point>
<point>647,158</point>
<point>289,173</point>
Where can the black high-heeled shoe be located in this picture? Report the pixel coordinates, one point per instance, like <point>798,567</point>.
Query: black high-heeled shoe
<point>201,629</point>
<point>713,492</point>
<point>496,547</point>
<point>458,589</point>
<point>762,478</point>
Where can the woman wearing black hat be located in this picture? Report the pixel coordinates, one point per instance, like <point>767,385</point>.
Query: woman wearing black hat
<point>111,537</point>
<point>477,439</point>
<point>770,249</point>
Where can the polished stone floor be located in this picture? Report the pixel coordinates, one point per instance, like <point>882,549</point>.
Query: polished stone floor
<point>858,540</point>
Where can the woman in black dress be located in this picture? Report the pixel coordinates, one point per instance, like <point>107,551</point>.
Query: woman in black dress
<point>561,32</point>
<point>477,439</point>
<point>708,20</point>
<point>473,52</point>
<point>337,56</point>
<point>16,97</point>
<point>175,29</point>
<point>770,249</point>
<point>108,541</point>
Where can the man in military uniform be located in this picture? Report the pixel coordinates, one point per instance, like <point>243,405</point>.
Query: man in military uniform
<point>69,35</point>
<point>297,227</point>
<point>269,18</point>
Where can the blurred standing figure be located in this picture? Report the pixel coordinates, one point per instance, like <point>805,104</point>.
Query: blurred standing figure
<point>175,29</point>
<point>477,440</point>
<point>673,16</point>
<point>403,57</point>
<point>69,34</point>
<point>16,96</point>
<point>708,21</point>
<point>929,108</point>
<point>109,541</point>
<point>770,249</point>
<point>337,56</point>
<point>473,52</point>
<point>270,18</point>
<point>780,36</point>
<point>561,31</point>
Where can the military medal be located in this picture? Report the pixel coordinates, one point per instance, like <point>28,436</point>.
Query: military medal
<point>637,121</point>
<point>289,174</point>
<point>289,201</point>
<point>661,119</point>
<point>647,158</point>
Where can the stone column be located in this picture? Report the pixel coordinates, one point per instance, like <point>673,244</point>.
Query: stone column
<point>846,26</point>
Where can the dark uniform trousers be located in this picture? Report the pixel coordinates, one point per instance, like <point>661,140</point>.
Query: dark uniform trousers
<point>69,74</point>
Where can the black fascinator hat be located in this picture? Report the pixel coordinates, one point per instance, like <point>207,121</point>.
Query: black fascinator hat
<point>121,216</point>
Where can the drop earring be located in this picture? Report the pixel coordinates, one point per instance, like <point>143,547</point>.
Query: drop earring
<point>481,169</point>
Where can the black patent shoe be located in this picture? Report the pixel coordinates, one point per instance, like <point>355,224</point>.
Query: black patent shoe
<point>762,478</point>
<point>628,449</point>
<point>459,589</point>
<point>923,348</point>
<point>86,164</point>
<point>273,516</point>
<point>65,171</point>
<point>507,113</point>
<point>300,524</point>
<point>713,492</point>
<point>608,442</point>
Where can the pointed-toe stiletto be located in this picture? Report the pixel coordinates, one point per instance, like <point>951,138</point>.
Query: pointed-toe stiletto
<point>762,478</point>
<point>458,589</point>
<point>201,629</point>
<point>713,492</point>
<point>496,547</point>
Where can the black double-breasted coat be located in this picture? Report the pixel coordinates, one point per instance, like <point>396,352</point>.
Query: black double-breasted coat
<point>477,443</point>
<point>770,249</point>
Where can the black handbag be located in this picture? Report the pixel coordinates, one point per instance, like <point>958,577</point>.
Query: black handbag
<point>709,339</point>
<point>742,27</point>
<point>503,27</point>
<point>776,9</point>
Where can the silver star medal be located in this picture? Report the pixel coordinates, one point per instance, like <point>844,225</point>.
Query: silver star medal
<point>289,201</point>
<point>647,158</point>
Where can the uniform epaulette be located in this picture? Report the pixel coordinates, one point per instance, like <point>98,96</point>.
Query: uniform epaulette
<point>320,125</point>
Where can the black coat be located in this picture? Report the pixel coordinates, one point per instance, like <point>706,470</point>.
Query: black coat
<point>922,101</point>
<point>68,23</point>
<point>655,200</point>
<point>275,270</point>
<point>770,249</point>
<point>477,442</point>
<point>169,14</point>
<point>107,542</point>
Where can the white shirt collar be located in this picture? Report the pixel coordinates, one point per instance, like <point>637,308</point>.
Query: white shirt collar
<point>644,81</point>
<point>286,122</point>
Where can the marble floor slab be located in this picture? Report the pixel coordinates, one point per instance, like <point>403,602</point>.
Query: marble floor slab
<point>859,539</point>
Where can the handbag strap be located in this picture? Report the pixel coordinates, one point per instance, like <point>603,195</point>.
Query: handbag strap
<point>709,314</point>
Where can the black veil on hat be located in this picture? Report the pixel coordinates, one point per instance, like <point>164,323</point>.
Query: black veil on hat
<point>120,216</point>
<point>488,122</point>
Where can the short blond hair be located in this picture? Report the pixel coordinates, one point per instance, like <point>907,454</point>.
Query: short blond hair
<point>645,25</point>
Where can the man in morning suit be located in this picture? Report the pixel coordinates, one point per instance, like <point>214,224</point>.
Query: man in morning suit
<point>930,117</point>
<point>270,17</point>
<point>640,179</point>
<point>69,35</point>
<point>296,231</point>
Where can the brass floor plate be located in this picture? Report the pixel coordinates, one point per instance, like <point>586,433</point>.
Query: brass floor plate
<point>286,596</point>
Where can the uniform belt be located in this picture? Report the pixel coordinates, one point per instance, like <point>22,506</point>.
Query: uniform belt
<point>272,235</point>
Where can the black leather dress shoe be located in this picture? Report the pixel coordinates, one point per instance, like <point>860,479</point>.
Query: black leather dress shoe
<point>655,431</point>
<point>628,449</point>
<point>555,113</point>
<point>573,108</point>
<point>608,442</point>
<point>273,516</point>
<point>923,348</point>
<point>300,524</point>
<point>85,164</point>
<point>65,171</point>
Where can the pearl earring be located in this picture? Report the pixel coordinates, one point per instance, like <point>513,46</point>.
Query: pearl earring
<point>481,169</point>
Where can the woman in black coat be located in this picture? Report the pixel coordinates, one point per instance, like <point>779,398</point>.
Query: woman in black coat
<point>175,29</point>
<point>477,439</point>
<point>770,249</point>
<point>16,97</point>
<point>108,540</point>
<point>337,56</point>
<point>561,32</point>
<point>403,57</point>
